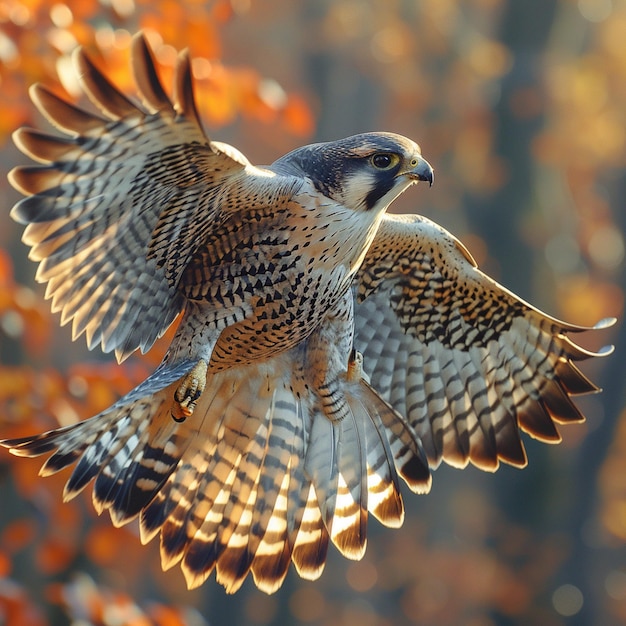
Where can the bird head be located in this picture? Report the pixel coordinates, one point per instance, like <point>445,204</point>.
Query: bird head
<point>363,172</point>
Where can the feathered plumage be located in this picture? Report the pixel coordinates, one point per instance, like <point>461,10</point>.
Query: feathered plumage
<point>259,440</point>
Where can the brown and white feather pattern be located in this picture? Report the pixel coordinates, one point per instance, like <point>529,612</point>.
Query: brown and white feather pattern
<point>466,361</point>
<point>259,476</point>
<point>259,441</point>
<point>121,202</point>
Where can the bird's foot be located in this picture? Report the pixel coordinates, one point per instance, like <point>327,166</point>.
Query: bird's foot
<point>189,391</point>
<point>355,371</point>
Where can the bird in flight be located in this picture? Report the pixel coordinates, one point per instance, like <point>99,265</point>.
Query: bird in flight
<point>326,351</point>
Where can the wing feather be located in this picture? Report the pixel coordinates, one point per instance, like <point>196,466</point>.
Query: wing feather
<point>147,80</point>
<point>184,99</point>
<point>63,115</point>
<point>476,364</point>
<point>102,93</point>
<point>119,204</point>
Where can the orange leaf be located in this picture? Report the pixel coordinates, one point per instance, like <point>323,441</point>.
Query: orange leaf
<point>298,117</point>
<point>161,615</point>
<point>103,545</point>
<point>54,556</point>
<point>6,270</point>
<point>5,565</point>
<point>18,534</point>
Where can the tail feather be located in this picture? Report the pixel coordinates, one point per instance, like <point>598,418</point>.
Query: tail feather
<point>272,556</point>
<point>320,464</point>
<point>408,455</point>
<point>312,539</point>
<point>221,475</point>
<point>237,463</point>
<point>233,564</point>
<point>349,525</point>
<point>268,574</point>
<point>263,527</point>
<point>136,485</point>
<point>383,486</point>
<point>171,506</point>
<point>252,520</point>
<point>153,516</point>
<point>258,476</point>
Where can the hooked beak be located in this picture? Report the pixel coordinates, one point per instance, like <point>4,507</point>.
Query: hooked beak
<point>421,170</point>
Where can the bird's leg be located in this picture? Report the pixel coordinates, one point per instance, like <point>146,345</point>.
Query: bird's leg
<point>189,391</point>
<point>355,371</point>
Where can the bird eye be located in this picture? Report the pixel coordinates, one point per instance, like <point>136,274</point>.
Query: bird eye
<point>384,160</point>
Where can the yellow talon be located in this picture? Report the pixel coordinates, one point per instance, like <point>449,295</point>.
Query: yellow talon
<point>189,391</point>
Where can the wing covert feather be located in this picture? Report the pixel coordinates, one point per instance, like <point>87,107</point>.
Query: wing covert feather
<point>469,364</point>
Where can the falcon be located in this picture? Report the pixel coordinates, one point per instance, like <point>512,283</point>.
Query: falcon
<point>326,352</point>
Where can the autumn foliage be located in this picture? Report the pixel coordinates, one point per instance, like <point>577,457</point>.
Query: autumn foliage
<point>529,144</point>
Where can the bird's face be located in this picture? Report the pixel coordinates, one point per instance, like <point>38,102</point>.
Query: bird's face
<point>364,172</point>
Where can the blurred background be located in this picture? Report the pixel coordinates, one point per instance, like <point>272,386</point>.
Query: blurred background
<point>521,108</point>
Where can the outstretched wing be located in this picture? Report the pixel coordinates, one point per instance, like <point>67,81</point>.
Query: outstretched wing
<point>466,361</point>
<point>119,203</point>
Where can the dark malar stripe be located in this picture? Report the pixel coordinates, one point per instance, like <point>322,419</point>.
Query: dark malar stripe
<point>380,189</point>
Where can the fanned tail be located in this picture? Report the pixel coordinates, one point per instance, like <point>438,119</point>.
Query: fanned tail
<point>257,477</point>
<point>273,480</point>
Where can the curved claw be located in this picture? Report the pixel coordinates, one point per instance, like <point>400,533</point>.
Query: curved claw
<point>189,391</point>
